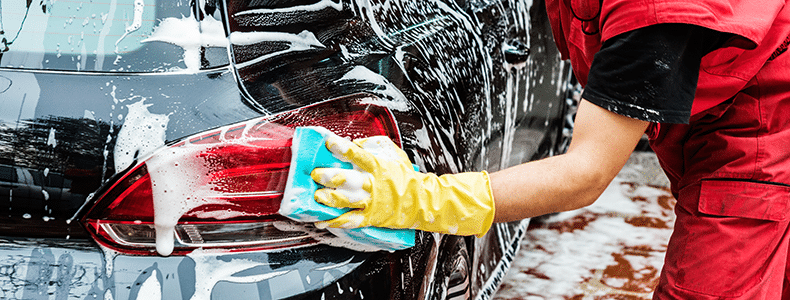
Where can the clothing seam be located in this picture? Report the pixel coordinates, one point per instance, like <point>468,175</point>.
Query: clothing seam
<point>677,285</point>
<point>669,113</point>
<point>738,76</point>
<point>759,134</point>
<point>747,180</point>
<point>653,6</point>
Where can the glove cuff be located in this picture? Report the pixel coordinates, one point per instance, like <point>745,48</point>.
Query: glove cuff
<point>488,221</point>
<point>465,202</point>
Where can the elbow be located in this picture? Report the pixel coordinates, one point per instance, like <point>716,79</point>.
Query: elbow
<point>587,185</point>
<point>593,190</point>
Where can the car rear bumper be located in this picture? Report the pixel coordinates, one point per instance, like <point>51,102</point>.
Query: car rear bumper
<point>39,269</point>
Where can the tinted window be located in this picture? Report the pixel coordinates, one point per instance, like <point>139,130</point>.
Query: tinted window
<point>50,180</point>
<point>7,174</point>
<point>38,177</point>
<point>104,35</point>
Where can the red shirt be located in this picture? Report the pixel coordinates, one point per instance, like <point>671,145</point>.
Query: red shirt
<point>760,28</point>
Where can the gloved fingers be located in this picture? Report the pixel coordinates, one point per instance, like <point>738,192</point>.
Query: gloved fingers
<point>341,198</point>
<point>383,147</point>
<point>351,152</point>
<point>351,219</point>
<point>343,179</point>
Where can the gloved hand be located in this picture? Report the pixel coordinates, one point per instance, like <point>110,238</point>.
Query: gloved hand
<point>385,191</point>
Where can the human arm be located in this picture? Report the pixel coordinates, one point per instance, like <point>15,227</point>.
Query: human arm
<point>647,74</point>
<point>602,142</point>
<point>627,77</point>
<point>386,192</point>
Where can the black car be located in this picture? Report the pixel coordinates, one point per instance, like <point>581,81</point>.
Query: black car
<point>103,102</point>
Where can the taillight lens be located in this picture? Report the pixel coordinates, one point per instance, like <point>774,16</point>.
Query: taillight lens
<point>222,189</point>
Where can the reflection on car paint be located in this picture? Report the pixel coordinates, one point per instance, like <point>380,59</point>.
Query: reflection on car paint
<point>72,274</point>
<point>436,97</point>
<point>395,99</point>
<point>510,242</point>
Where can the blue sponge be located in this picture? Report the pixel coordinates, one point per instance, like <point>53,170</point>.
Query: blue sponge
<point>309,152</point>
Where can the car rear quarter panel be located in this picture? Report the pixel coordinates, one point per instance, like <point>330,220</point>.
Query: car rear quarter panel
<point>438,65</point>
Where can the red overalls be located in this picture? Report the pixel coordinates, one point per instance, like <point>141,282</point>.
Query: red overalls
<point>730,167</point>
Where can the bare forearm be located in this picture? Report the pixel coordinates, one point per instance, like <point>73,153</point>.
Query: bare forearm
<point>554,184</point>
<point>600,147</point>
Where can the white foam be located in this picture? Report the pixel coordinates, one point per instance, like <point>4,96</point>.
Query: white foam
<point>305,40</point>
<point>322,4</point>
<point>210,269</point>
<point>397,100</point>
<point>137,21</point>
<point>179,183</point>
<point>353,183</point>
<point>141,133</point>
<point>151,289</point>
<point>190,35</point>
<point>51,141</point>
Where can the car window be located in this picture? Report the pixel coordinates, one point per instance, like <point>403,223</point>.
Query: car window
<point>46,178</point>
<point>7,174</point>
<point>38,177</point>
<point>96,35</point>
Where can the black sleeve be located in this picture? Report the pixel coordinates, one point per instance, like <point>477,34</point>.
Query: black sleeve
<point>651,73</point>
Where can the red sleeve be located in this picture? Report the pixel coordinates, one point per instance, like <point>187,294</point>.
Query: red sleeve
<point>748,19</point>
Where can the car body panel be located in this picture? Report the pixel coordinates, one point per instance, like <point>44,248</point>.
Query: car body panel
<point>439,66</point>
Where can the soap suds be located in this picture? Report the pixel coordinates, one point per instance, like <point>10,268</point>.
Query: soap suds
<point>151,288</point>
<point>397,101</point>
<point>322,4</point>
<point>141,134</point>
<point>179,183</point>
<point>211,268</point>
<point>51,141</point>
<point>305,40</point>
<point>137,22</point>
<point>190,35</point>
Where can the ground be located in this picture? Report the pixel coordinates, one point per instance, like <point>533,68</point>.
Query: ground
<point>612,249</point>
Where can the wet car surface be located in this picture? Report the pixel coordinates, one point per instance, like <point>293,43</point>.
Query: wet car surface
<point>94,94</point>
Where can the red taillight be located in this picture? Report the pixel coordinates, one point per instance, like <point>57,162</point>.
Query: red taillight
<point>222,189</point>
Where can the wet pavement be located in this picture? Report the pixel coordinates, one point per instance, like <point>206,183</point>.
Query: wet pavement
<point>612,249</point>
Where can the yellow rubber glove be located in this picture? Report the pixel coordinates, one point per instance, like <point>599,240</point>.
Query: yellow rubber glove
<point>385,191</point>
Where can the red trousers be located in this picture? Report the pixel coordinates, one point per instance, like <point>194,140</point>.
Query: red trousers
<point>730,172</point>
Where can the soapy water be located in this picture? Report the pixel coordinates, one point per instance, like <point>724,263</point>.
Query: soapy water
<point>151,289</point>
<point>137,22</point>
<point>305,40</point>
<point>429,29</point>
<point>210,269</point>
<point>191,35</point>
<point>354,181</point>
<point>334,237</point>
<point>379,20</point>
<point>393,98</point>
<point>179,183</point>
<point>446,75</point>
<point>141,134</point>
<point>350,183</point>
<point>446,55</point>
